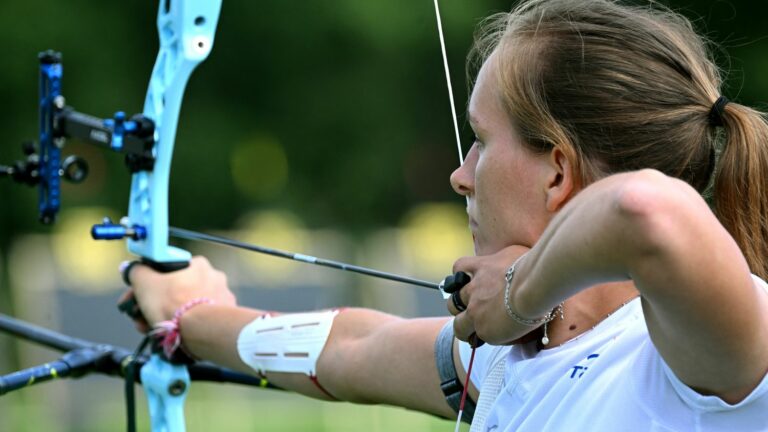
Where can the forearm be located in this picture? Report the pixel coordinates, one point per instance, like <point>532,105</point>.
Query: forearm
<point>210,332</point>
<point>373,357</point>
<point>356,355</point>
<point>369,356</point>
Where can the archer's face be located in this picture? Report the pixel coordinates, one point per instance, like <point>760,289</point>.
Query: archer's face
<point>503,181</point>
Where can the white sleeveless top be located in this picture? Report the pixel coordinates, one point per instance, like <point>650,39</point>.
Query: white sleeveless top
<point>608,379</point>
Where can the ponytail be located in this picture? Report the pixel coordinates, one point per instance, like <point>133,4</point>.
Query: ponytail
<point>741,183</point>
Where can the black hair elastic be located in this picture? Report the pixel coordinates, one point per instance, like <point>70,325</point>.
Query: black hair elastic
<point>716,113</point>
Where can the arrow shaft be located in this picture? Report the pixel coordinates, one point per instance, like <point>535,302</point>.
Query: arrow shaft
<point>193,235</point>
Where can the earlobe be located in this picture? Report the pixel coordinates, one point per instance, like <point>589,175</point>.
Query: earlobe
<point>561,185</point>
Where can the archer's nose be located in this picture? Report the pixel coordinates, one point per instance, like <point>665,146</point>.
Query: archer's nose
<point>463,178</point>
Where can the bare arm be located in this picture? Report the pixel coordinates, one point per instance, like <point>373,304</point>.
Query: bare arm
<point>369,356</point>
<point>704,313</point>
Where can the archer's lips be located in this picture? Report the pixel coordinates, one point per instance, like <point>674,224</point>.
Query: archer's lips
<point>473,229</point>
<point>472,225</point>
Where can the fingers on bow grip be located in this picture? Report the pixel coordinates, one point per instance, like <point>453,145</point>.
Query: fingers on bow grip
<point>131,308</point>
<point>160,267</point>
<point>129,305</point>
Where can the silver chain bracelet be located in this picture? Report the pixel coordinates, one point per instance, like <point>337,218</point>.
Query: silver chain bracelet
<point>512,314</point>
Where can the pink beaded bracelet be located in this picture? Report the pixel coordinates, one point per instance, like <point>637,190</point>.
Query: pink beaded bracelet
<point>169,333</point>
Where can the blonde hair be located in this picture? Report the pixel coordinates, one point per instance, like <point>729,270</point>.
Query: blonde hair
<point>620,88</point>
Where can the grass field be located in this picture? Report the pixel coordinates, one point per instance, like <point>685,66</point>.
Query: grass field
<point>96,405</point>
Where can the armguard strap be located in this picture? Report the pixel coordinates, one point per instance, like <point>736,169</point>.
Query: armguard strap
<point>446,368</point>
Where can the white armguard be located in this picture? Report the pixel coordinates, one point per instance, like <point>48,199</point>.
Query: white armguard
<point>285,343</point>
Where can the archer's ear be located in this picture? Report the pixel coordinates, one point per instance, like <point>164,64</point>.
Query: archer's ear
<point>561,185</point>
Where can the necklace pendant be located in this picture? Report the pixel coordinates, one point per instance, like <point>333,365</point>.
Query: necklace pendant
<point>545,338</point>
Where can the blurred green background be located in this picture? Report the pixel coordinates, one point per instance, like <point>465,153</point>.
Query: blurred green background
<point>318,126</point>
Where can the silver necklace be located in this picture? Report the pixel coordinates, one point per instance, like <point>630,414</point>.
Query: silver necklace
<point>545,340</point>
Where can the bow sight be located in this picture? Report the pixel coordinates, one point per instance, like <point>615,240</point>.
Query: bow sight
<point>43,165</point>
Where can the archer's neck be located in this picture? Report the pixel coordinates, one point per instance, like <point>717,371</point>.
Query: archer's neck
<point>588,308</point>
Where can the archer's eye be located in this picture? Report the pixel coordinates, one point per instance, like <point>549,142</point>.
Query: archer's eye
<point>477,142</point>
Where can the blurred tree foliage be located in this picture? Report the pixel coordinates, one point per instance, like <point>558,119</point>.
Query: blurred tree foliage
<point>334,109</point>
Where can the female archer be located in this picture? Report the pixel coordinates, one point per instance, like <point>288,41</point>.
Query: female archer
<point>610,294</point>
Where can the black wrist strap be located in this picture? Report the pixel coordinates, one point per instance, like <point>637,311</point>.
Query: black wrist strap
<point>446,368</point>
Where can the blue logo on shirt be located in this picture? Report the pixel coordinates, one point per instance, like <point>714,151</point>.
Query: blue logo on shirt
<point>578,370</point>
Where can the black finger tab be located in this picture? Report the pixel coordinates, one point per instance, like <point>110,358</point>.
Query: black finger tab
<point>455,282</point>
<point>457,302</point>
